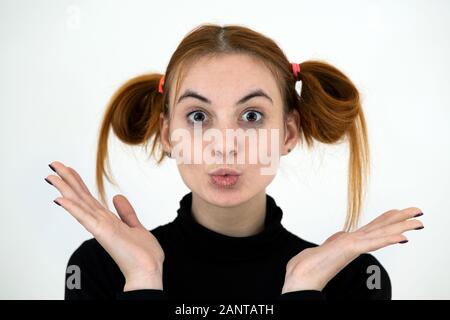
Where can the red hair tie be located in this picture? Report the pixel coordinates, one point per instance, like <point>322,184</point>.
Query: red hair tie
<point>161,82</point>
<point>298,84</point>
<point>295,69</point>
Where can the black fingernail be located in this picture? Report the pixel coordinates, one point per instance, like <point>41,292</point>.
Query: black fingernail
<point>48,181</point>
<point>418,228</point>
<point>51,167</point>
<point>419,214</point>
<point>404,241</point>
<point>56,202</point>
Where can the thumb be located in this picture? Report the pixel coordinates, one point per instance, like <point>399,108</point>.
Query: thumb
<point>126,211</point>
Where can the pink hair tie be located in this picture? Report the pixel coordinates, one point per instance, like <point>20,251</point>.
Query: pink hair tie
<point>295,69</point>
<point>298,84</point>
<point>161,82</point>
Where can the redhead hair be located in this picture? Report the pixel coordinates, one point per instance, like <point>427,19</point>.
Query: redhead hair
<point>328,109</point>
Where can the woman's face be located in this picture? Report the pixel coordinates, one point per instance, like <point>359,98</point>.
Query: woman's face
<point>214,128</point>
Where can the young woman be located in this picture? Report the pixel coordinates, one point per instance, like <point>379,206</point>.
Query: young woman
<point>227,239</point>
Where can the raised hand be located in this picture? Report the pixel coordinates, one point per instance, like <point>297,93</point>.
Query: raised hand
<point>135,250</point>
<point>312,268</point>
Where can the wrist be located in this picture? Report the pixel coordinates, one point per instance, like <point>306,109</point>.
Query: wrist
<point>296,280</point>
<point>143,281</point>
<point>289,287</point>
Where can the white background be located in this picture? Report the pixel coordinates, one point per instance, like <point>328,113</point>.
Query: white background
<point>62,60</point>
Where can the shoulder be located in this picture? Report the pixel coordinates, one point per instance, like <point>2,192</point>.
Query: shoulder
<point>89,250</point>
<point>363,278</point>
<point>298,241</point>
<point>294,244</point>
<point>161,232</point>
<point>91,273</point>
<point>94,262</point>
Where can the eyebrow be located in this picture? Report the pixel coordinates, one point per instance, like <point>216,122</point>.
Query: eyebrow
<point>255,93</point>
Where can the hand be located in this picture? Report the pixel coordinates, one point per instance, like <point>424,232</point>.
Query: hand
<point>312,268</point>
<point>136,251</point>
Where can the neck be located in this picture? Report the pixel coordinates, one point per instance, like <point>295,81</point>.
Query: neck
<point>243,220</point>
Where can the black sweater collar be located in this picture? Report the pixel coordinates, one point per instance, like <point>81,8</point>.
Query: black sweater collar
<point>207,243</point>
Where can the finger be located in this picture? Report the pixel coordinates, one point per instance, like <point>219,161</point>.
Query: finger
<point>71,188</point>
<point>79,180</point>
<point>85,188</point>
<point>126,211</point>
<point>87,220</point>
<point>392,216</point>
<point>372,244</point>
<point>66,174</point>
<point>68,193</point>
<point>396,228</point>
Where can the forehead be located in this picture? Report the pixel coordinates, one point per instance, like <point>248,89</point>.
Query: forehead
<point>227,77</point>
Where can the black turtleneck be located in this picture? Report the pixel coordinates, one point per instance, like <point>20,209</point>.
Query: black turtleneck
<point>203,264</point>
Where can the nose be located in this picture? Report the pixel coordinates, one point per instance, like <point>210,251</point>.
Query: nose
<point>219,154</point>
<point>226,148</point>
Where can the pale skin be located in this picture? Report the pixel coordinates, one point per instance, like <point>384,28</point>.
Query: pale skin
<point>236,213</point>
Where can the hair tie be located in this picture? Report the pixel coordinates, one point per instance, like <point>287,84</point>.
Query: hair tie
<point>161,82</point>
<point>295,69</point>
<point>298,83</point>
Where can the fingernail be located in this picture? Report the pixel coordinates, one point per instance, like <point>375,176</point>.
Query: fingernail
<point>418,228</point>
<point>51,167</point>
<point>404,241</point>
<point>419,214</point>
<point>56,202</point>
<point>48,181</point>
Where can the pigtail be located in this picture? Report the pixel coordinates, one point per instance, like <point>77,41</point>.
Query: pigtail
<point>330,110</point>
<point>133,113</point>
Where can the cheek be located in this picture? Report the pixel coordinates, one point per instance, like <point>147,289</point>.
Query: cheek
<point>191,174</point>
<point>268,143</point>
<point>270,137</point>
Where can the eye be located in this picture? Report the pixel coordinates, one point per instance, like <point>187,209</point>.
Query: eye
<point>196,116</point>
<point>252,116</point>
